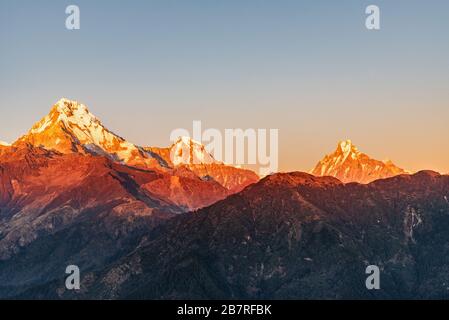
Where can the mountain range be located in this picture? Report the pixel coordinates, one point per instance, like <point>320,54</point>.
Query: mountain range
<point>141,222</point>
<point>70,128</point>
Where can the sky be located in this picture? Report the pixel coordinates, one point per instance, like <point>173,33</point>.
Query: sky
<point>308,68</point>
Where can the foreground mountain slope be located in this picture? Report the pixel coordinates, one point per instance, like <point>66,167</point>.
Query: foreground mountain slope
<point>295,236</point>
<point>348,164</point>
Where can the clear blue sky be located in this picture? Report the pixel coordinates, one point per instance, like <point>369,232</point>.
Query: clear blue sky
<point>308,68</point>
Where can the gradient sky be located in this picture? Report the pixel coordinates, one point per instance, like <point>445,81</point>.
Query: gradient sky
<point>309,68</point>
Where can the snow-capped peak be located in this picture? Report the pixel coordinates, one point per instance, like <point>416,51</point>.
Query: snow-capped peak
<point>75,111</point>
<point>68,112</point>
<point>346,147</point>
<point>70,127</point>
<point>188,151</point>
<point>187,141</point>
<point>348,164</point>
<point>77,121</point>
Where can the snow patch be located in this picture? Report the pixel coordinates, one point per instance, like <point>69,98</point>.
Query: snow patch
<point>42,125</point>
<point>188,151</point>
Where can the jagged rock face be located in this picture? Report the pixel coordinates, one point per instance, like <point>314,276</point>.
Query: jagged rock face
<point>348,164</point>
<point>295,236</point>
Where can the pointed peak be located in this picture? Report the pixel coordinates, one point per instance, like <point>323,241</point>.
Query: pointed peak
<point>67,101</point>
<point>346,148</point>
<point>65,104</point>
<point>188,151</point>
<point>348,164</point>
<point>187,140</point>
<point>67,112</point>
<point>70,127</point>
<point>71,108</point>
<point>345,143</point>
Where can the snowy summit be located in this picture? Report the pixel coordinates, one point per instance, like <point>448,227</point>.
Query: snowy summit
<point>348,164</point>
<point>70,127</point>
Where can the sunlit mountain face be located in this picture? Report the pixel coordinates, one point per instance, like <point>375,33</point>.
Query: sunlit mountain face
<point>348,164</point>
<point>70,128</point>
